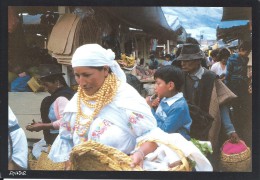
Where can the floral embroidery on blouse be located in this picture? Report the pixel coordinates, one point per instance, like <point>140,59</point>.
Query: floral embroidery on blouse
<point>134,118</point>
<point>100,129</point>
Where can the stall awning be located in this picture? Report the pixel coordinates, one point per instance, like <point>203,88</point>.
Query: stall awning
<point>233,32</point>
<point>33,10</point>
<point>236,13</point>
<point>235,23</point>
<point>150,19</point>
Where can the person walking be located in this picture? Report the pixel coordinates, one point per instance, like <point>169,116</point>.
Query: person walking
<point>237,80</point>
<point>207,102</point>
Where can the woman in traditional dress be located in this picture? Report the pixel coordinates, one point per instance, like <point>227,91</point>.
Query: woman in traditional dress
<point>52,107</point>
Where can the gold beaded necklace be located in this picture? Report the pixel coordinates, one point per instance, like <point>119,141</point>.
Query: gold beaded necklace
<point>101,98</point>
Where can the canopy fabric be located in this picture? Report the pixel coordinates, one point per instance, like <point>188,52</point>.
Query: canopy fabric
<point>150,19</point>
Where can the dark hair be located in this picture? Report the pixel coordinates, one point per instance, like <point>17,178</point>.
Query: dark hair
<point>223,54</point>
<point>152,56</point>
<point>141,61</point>
<point>214,53</point>
<point>17,68</point>
<point>170,73</point>
<point>54,78</point>
<point>168,56</point>
<point>246,46</point>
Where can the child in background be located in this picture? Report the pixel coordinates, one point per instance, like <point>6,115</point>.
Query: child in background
<point>167,60</point>
<point>170,107</point>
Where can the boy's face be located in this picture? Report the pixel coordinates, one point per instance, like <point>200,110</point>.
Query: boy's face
<point>163,89</point>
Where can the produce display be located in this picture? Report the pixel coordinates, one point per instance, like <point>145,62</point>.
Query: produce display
<point>126,61</point>
<point>203,147</point>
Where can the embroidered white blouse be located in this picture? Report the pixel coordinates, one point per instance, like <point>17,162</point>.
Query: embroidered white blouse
<point>118,124</point>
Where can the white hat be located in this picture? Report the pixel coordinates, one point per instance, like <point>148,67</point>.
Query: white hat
<point>95,55</point>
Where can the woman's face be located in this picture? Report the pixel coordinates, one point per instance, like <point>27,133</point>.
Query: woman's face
<point>224,61</point>
<point>90,79</point>
<point>50,86</point>
<point>214,58</point>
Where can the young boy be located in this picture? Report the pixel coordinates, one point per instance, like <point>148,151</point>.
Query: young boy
<point>170,107</point>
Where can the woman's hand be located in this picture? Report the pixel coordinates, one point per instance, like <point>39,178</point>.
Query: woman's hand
<point>234,138</point>
<point>137,159</point>
<point>139,154</point>
<point>35,127</point>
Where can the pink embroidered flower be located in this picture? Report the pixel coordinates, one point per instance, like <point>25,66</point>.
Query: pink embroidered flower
<point>100,129</point>
<point>135,117</point>
<point>138,115</point>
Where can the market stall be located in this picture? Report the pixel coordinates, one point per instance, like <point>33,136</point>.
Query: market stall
<point>236,23</point>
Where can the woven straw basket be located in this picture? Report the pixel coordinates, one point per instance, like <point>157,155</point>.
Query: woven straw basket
<point>44,163</point>
<point>93,156</point>
<point>31,161</point>
<point>240,162</point>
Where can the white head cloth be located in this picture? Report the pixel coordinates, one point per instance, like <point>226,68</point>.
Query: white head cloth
<point>95,55</point>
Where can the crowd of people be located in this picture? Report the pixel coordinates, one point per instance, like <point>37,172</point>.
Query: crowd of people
<point>190,101</point>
